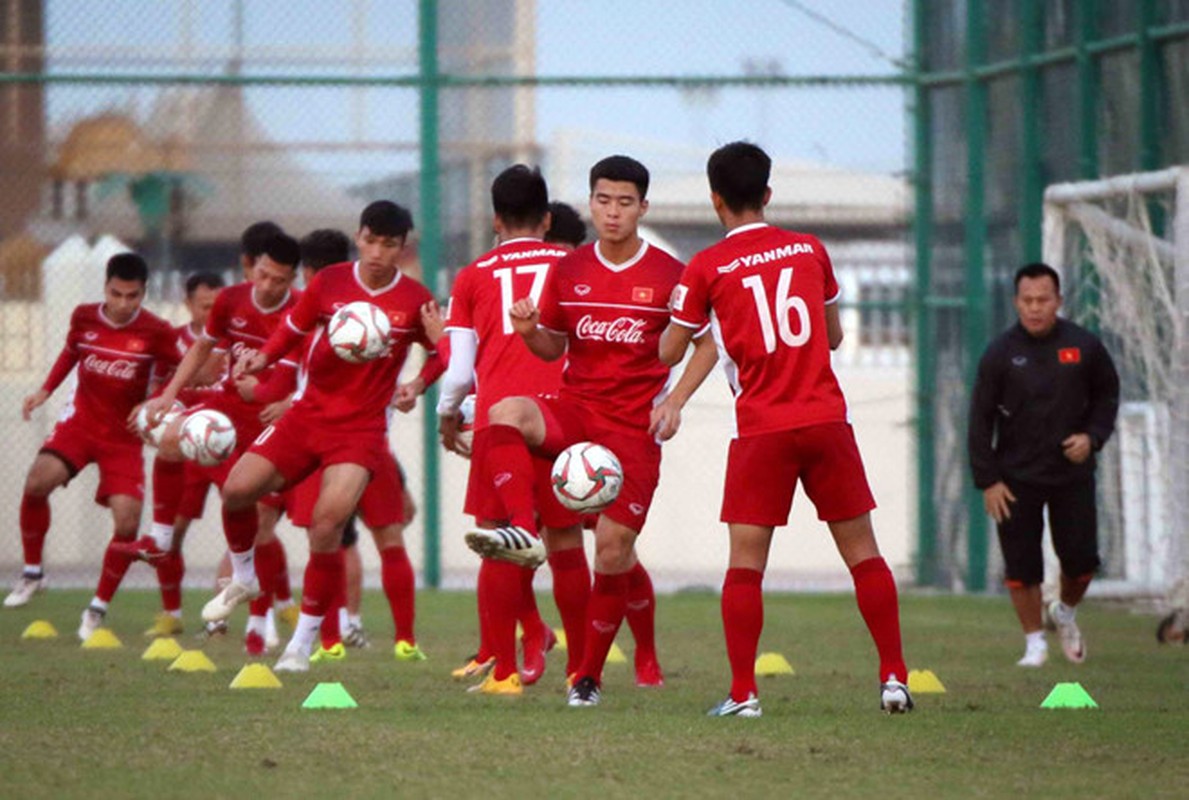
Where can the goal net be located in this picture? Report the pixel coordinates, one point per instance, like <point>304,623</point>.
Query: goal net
<point>1122,247</point>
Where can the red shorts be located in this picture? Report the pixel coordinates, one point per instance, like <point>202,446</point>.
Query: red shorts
<point>197,487</point>
<point>762,474</point>
<point>120,460</point>
<point>297,448</point>
<point>382,502</point>
<point>483,502</point>
<point>568,423</point>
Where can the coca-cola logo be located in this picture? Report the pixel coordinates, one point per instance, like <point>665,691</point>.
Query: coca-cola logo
<point>119,368</point>
<point>624,330</point>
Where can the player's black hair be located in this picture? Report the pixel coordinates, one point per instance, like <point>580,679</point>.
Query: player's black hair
<point>1038,270</point>
<point>566,226</point>
<point>128,267</point>
<point>739,173</point>
<point>252,240</point>
<point>386,218</point>
<point>211,280</point>
<point>520,197</point>
<point>621,168</point>
<point>324,247</point>
<point>283,249</point>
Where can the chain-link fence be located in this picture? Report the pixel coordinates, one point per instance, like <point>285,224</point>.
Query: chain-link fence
<point>168,127</point>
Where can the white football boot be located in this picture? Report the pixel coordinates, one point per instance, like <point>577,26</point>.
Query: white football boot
<point>221,605</point>
<point>23,590</point>
<point>510,543</point>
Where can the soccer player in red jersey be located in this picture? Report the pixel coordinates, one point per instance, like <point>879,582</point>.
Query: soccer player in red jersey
<point>486,352</point>
<point>771,297</point>
<point>339,420</point>
<point>242,319</point>
<point>169,477</point>
<point>603,308</point>
<point>115,345</point>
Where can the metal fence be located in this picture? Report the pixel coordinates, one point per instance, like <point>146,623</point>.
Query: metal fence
<point>170,126</point>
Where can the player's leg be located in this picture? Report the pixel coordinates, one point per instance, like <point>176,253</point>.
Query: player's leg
<point>47,472</point>
<point>353,633</point>
<point>270,560</point>
<point>125,511</point>
<point>1023,562</point>
<point>384,508</point>
<point>571,588</point>
<point>641,618</point>
<point>338,496</point>
<point>1073,520</point>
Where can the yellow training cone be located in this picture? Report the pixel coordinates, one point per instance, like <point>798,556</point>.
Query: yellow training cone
<point>102,639</point>
<point>769,664</point>
<point>923,681</point>
<point>164,649</point>
<point>615,655</point>
<point>192,661</point>
<point>40,629</point>
<point>256,676</point>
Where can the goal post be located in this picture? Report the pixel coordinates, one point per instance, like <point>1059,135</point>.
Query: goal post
<point>1121,245</point>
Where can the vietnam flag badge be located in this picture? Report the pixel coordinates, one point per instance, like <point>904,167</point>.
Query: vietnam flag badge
<point>641,294</point>
<point>1070,355</point>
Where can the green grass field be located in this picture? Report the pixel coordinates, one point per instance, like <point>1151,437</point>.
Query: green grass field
<point>76,723</point>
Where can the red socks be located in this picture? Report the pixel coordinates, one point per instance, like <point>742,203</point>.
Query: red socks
<point>500,596</point>
<point>530,616</point>
<point>270,561</point>
<point>240,528</point>
<point>170,570</point>
<point>875,592</point>
<point>169,483</point>
<point>400,587</point>
<point>641,613</point>
<point>509,466</point>
<point>604,615</point>
<point>742,622</point>
<point>324,577</point>
<point>115,566</point>
<point>35,523</point>
<point>571,593</point>
<point>331,631</point>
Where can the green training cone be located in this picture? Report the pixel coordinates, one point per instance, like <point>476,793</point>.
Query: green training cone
<point>1069,695</point>
<point>330,695</point>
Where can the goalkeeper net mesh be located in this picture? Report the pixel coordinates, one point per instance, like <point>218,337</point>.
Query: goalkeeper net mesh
<point>1122,247</point>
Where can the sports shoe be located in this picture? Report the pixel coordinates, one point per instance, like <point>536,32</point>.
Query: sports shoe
<point>510,543</point>
<point>356,636</point>
<point>254,644</point>
<point>407,651</point>
<point>1034,657</point>
<point>1071,636</point>
<point>24,589</point>
<point>145,549</point>
<point>211,630</point>
<point>164,624</point>
<point>336,653</point>
<point>894,697</point>
<point>92,621</point>
<point>473,669</point>
<point>729,708</point>
<point>648,674</point>
<point>535,648</point>
<point>584,693</point>
<point>289,615</point>
<point>510,686</point>
<point>292,661</point>
<point>221,605</point>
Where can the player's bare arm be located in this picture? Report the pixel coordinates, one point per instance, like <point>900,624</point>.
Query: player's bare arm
<point>997,500</point>
<point>33,402</point>
<point>674,341</point>
<point>666,416</point>
<point>273,411</point>
<point>546,345</point>
<point>833,326</point>
<point>246,386</point>
<point>192,362</point>
<point>405,399</point>
<point>448,425</point>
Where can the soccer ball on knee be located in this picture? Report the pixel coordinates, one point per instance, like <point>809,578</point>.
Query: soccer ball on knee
<point>207,437</point>
<point>359,332</point>
<point>586,477</point>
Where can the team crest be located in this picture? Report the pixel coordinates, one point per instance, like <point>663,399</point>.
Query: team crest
<point>582,290</point>
<point>238,322</point>
<point>90,336</point>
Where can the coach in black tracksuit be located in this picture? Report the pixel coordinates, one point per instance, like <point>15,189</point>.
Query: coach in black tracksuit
<point>1045,401</point>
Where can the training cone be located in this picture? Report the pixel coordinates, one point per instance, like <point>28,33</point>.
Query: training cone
<point>615,655</point>
<point>40,629</point>
<point>560,633</point>
<point>256,676</point>
<point>769,664</point>
<point>1069,695</point>
<point>329,695</point>
<point>102,639</point>
<point>192,661</point>
<point>923,681</point>
<point>164,649</point>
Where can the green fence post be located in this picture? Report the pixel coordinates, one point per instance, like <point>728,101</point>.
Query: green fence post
<point>1031,18</point>
<point>431,238</point>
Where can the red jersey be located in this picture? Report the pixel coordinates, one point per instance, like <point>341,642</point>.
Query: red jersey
<point>613,316</point>
<point>483,292</point>
<point>242,326</point>
<point>352,397</point>
<point>115,363</point>
<point>765,290</point>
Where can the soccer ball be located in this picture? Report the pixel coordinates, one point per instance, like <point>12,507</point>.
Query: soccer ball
<point>587,477</point>
<point>152,434</point>
<point>208,437</point>
<point>358,332</point>
<point>466,426</point>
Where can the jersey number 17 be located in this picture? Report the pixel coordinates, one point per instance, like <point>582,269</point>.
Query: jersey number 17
<point>504,276</point>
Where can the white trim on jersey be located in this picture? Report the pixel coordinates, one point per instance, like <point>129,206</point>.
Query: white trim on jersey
<point>294,328</point>
<point>685,324</point>
<point>273,309</point>
<point>751,226</point>
<point>835,298</point>
<point>730,370</point>
<point>120,353</point>
<point>647,309</point>
<point>631,262</point>
<point>374,292</point>
<point>106,321</point>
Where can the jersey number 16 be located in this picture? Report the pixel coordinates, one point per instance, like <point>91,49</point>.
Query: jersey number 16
<point>784,307</point>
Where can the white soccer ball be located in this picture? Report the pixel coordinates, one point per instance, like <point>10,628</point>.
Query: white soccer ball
<point>207,437</point>
<point>587,477</point>
<point>152,433</point>
<point>466,426</point>
<point>358,332</point>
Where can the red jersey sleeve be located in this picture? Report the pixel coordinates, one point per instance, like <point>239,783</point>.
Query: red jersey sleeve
<point>830,283</point>
<point>549,308</point>
<point>459,314</point>
<point>689,304</point>
<point>217,320</point>
<point>67,358</point>
<point>289,336</point>
<point>278,385</point>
